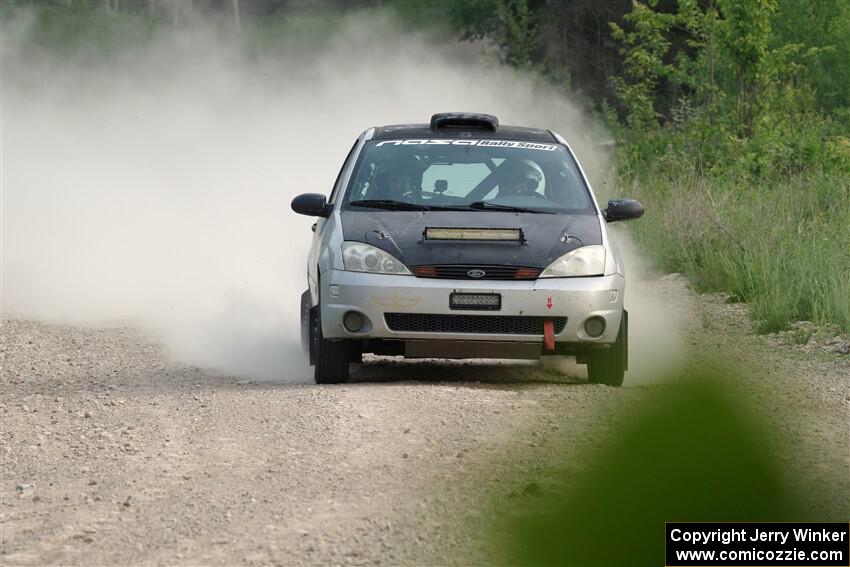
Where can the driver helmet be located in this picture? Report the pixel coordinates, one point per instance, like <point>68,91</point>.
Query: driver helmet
<point>521,178</point>
<point>400,177</point>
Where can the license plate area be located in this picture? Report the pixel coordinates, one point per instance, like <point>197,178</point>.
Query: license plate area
<point>476,301</point>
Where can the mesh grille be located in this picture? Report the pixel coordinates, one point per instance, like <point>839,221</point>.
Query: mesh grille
<point>460,272</point>
<point>477,324</point>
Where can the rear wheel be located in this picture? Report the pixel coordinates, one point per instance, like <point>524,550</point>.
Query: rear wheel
<point>609,366</point>
<point>330,357</point>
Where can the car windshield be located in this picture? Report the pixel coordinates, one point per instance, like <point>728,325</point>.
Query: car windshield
<point>467,174</point>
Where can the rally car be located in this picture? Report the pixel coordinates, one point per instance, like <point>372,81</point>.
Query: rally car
<point>463,238</point>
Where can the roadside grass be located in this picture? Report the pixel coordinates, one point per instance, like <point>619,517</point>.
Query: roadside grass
<point>781,245</point>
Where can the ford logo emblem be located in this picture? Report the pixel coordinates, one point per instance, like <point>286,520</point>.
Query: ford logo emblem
<point>476,273</point>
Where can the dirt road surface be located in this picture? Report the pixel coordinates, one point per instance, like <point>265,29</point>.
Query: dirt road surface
<point>112,453</point>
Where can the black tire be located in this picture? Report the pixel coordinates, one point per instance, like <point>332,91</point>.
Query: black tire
<point>609,366</point>
<point>331,357</point>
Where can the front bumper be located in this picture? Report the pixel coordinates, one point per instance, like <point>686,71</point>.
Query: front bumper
<point>373,295</point>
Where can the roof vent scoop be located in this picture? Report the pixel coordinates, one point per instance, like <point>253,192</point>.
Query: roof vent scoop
<point>464,120</point>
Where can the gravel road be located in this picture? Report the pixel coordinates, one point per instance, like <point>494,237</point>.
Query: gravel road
<point>115,454</point>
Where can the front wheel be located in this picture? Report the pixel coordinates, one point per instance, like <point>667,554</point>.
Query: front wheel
<point>609,366</point>
<point>330,357</point>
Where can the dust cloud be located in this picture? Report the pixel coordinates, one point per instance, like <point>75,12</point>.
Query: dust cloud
<point>658,314</point>
<point>153,185</point>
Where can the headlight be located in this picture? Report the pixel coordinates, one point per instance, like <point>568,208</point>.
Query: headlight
<point>360,257</point>
<point>584,261</point>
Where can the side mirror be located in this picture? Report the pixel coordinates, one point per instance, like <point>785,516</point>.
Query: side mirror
<point>312,205</point>
<point>623,209</point>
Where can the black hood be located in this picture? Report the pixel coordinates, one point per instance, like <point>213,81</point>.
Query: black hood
<point>546,236</point>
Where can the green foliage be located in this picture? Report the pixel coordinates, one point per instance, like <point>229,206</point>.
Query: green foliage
<point>745,32</point>
<point>690,454</point>
<point>512,24</point>
<point>824,24</point>
<point>515,18</point>
<point>704,59</point>
<point>643,57</point>
<point>745,171</point>
<point>77,28</point>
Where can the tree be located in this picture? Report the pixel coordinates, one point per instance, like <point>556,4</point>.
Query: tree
<point>745,38</point>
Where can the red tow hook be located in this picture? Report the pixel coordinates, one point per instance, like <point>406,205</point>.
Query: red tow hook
<point>549,334</point>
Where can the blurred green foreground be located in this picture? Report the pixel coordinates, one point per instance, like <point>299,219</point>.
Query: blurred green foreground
<point>691,453</point>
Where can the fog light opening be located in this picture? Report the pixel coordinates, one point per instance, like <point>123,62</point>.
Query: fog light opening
<point>352,321</point>
<point>594,326</point>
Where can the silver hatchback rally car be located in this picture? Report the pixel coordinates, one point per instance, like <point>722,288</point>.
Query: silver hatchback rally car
<point>463,238</point>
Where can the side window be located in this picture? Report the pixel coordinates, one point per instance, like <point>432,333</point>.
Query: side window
<point>345,165</point>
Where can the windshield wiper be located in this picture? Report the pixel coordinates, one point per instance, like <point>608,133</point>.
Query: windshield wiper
<point>485,205</point>
<point>390,205</point>
<point>393,205</point>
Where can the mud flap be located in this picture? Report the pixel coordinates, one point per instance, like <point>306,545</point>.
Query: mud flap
<point>305,320</point>
<point>315,332</point>
<point>625,330</point>
<point>549,334</point>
